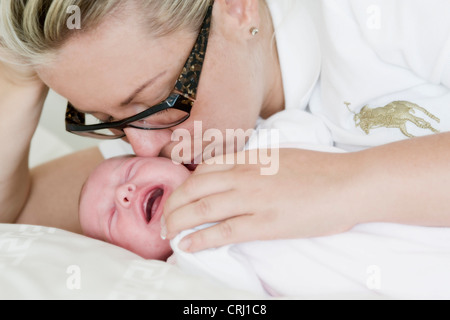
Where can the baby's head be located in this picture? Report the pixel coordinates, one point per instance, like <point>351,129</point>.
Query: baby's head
<point>122,203</point>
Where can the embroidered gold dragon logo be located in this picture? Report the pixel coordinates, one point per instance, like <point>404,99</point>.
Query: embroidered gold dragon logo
<point>394,115</point>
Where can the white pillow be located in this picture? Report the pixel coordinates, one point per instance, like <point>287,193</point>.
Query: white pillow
<point>45,263</point>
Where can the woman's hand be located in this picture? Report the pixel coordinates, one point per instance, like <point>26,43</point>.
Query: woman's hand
<point>308,197</point>
<point>17,75</point>
<point>315,194</point>
<point>22,96</point>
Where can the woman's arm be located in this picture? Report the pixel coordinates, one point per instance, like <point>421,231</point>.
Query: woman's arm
<point>48,195</point>
<point>315,194</point>
<point>21,102</point>
<point>55,191</point>
<point>406,182</point>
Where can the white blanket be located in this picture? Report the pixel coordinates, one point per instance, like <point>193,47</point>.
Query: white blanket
<point>374,261</point>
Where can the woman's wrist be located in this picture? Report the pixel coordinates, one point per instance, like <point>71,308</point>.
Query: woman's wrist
<point>404,182</point>
<point>367,191</point>
<point>352,193</point>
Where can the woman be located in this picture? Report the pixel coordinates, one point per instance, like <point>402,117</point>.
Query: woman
<point>378,67</point>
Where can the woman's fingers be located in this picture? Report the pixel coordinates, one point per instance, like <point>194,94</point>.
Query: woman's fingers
<point>214,208</point>
<point>215,193</point>
<point>196,187</point>
<point>303,200</point>
<point>215,165</point>
<point>235,230</point>
<point>199,200</point>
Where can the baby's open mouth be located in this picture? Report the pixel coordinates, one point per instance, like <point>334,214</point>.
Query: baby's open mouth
<point>152,204</point>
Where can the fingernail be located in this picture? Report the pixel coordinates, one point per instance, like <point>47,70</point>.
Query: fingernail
<point>185,244</point>
<point>163,233</point>
<point>163,229</point>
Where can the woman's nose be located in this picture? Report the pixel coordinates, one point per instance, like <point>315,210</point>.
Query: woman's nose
<point>125,195</point>
<point>147,143</point>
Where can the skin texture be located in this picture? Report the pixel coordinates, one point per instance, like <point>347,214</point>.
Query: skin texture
<point>313,194</point>
<point>55,190</point>
<point>17,88</point>
<point>226,70</point>
<point>114,200</point>
<point>101,81</point>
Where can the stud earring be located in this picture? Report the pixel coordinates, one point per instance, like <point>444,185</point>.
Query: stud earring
<point>254,31</point>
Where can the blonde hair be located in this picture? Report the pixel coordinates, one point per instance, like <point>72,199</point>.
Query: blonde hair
<point>31,31</point>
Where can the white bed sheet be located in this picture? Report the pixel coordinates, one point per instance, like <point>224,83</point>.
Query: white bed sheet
<point>387,262</point>
<point>45,263</point>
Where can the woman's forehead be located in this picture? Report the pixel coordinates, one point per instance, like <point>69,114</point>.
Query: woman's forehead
<point>105,66</point>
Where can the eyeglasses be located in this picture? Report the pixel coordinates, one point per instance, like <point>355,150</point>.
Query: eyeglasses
<point>173,111</point>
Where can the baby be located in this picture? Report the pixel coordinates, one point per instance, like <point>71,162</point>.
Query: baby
<point>122,203</point>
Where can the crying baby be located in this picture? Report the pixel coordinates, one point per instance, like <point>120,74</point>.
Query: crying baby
<point>122,203</point>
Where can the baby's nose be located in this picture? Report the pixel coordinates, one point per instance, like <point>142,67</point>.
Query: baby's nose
<point>125,195</point>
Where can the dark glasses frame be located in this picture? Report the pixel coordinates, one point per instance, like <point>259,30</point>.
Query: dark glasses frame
<point>182,98</point>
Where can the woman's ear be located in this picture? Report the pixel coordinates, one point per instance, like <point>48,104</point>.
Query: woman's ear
<point>239,15</point>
